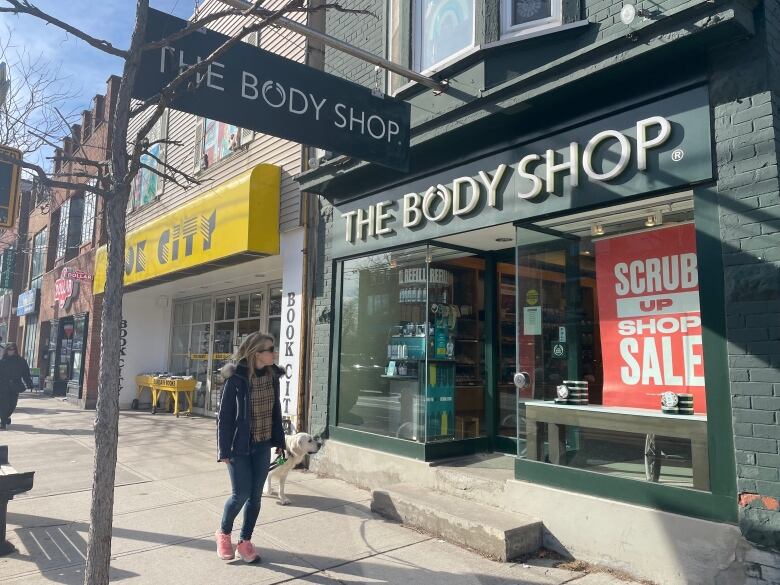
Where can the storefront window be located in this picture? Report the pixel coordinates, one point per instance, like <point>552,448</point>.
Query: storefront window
<point>79,346</point>
<point>206,333</point>
<point>275,314</point>
<point>412,363</point>
<point>609,337</point>
<point>30,338</point>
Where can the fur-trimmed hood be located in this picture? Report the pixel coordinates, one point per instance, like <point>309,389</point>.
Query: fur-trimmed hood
<point>231,368</point>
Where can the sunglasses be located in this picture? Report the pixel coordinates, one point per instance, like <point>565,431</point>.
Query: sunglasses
<point>271,349</point>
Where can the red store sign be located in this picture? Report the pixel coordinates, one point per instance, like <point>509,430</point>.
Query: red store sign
<point>651,333</point>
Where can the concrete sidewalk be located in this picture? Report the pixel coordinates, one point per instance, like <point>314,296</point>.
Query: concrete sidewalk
<point>169,497</point>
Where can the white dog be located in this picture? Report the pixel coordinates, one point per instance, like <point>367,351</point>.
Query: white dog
<point>298,446</point>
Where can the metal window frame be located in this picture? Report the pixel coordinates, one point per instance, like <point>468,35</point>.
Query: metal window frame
<point>509,30</point>
<point>416,40</point>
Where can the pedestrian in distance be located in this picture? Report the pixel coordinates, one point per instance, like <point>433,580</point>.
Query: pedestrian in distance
<point>249,425</point>
<point>14,379</point>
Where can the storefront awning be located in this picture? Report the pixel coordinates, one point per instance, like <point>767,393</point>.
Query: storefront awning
<point>234,222</point>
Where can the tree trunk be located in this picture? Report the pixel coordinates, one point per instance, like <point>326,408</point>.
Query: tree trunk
<point>107,415</point>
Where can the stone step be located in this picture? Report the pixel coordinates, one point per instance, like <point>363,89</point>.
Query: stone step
<point>485,490</point>
<point>500,535</point>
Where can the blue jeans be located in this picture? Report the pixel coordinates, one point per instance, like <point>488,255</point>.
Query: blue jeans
<point>247,476</point>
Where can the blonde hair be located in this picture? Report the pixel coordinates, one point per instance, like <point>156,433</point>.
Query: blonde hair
<point>254,343</point>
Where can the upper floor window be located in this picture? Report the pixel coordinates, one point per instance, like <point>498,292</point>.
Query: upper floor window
<point>69,230</point>
<point>215,141</point>
<point>148,185</point>
<point>62,235</point>
<point>519,16</point>
<point>442,29</point>
<point>38,256</point>
<point>88,221</point>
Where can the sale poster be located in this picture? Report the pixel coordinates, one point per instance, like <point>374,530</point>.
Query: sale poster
<point>650,321</point>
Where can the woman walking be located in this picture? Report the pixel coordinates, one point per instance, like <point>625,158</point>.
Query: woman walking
<point>249,426</point>
<point>14,378</point>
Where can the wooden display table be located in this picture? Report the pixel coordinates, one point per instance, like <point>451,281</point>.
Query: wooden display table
<point>142,383</point>
<point>172,388</point>
<point>626,420</point>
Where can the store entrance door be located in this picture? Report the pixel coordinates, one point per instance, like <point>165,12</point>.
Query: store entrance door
<point>554,316</point>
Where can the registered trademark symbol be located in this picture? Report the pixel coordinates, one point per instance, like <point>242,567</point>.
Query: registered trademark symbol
<point>678,155</point>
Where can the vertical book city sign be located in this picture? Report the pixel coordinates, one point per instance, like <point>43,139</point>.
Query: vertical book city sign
<point>258,90</point>
<point>9,184</point>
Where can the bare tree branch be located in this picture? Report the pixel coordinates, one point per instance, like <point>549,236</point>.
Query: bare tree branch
<point>168,177</point>
<point>30,121</point>
<point>44,178</point>
<point>173,89</point>
<point>189,178</point>
<point>79,160</point>
<point>25,7</point>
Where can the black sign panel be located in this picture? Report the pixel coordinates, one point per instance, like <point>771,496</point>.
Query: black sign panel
<point>261,91</point>
<point>9,185</point>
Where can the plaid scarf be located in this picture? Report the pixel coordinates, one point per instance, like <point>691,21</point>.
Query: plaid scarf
<point>261,399</point>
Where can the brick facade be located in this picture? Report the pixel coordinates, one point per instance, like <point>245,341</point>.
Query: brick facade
<point>89,140</point>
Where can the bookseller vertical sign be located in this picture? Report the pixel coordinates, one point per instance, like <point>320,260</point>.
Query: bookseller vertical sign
<point>649,315</point>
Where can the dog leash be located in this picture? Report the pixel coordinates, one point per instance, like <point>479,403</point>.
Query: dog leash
<point>277,462</point>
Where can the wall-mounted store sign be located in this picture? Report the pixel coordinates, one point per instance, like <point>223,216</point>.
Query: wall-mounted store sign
<point>261,91</point>
<point>28,302</point>
<point>66,289</point>
<point>240,217</point>
<point>76,274</point>
<point>660,145</point>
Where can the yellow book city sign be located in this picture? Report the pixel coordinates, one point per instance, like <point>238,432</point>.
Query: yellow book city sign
<point>241,216</point>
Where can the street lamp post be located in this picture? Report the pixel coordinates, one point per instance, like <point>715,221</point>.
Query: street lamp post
<point>5,83</point>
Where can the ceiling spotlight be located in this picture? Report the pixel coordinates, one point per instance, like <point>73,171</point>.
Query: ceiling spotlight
<point>597,229</point>
<point>654,220</point>
<point>629,12</point>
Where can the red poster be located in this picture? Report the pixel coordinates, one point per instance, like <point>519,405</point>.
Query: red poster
<point>650,321</point>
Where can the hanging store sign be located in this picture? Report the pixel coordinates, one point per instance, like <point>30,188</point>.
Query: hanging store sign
<point>649,317</point>
<point>258,90</point>
<point>237,220</point>
<point>636,152</point>
<point>28,302</point>
<point>5,305</point>
<point>9,184</point>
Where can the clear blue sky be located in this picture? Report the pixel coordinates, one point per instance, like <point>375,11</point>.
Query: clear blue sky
<point>86,68</point>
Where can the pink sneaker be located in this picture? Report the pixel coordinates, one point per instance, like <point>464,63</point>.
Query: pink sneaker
<point>224,546</point>
<point>247,551</point>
